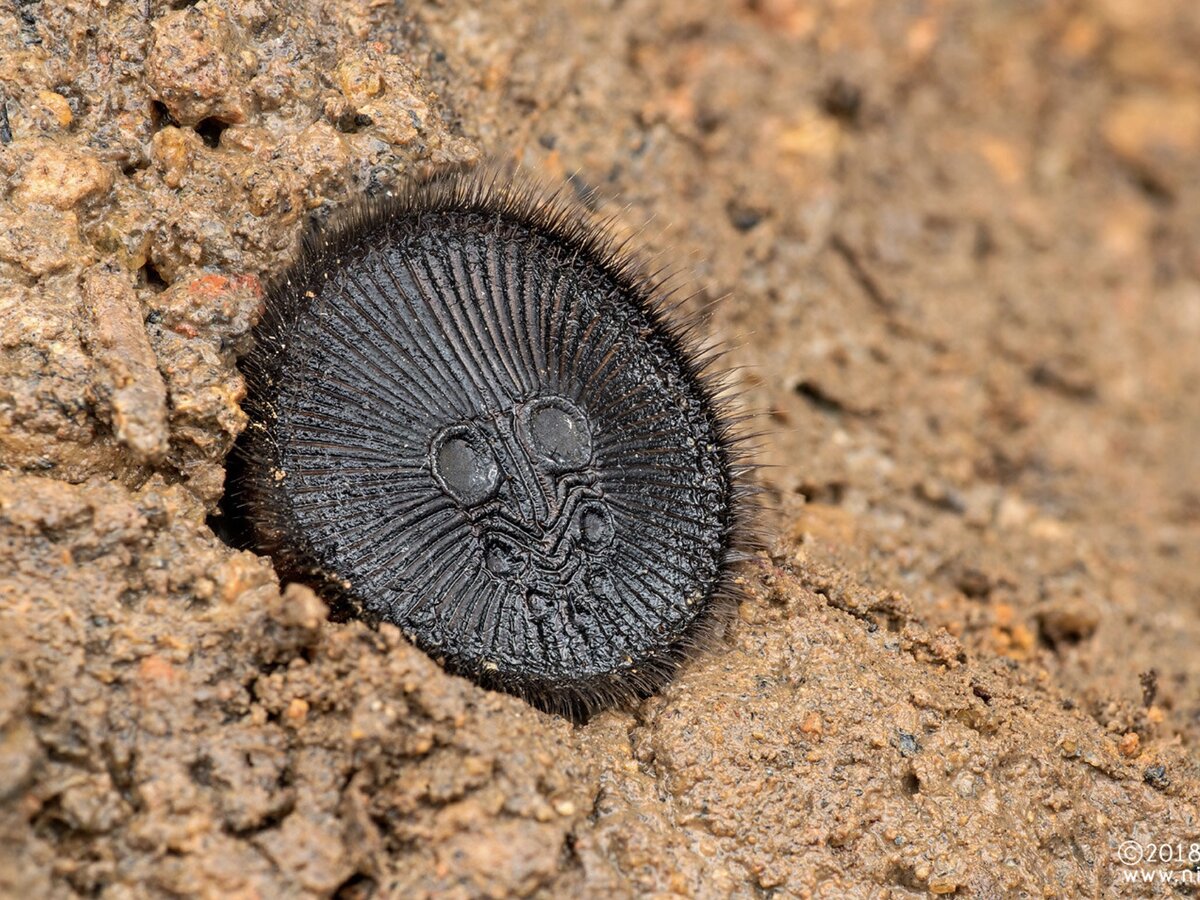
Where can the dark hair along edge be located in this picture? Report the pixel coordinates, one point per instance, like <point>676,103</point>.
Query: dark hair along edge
<point>255,469</point>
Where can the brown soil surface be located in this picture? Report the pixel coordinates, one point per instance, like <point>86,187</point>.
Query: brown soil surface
<point>959,249</point>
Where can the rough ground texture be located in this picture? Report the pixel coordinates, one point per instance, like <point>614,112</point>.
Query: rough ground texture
<point>961,247</point>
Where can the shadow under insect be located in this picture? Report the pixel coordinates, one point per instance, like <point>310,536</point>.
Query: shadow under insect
<point>525,480</point>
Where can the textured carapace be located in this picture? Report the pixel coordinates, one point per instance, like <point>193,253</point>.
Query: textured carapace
<point>470,418</point>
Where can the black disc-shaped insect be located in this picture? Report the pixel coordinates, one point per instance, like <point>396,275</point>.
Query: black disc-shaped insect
<point>470,418</point>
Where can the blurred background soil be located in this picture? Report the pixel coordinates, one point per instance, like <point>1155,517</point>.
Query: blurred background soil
<point>958,246</point>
